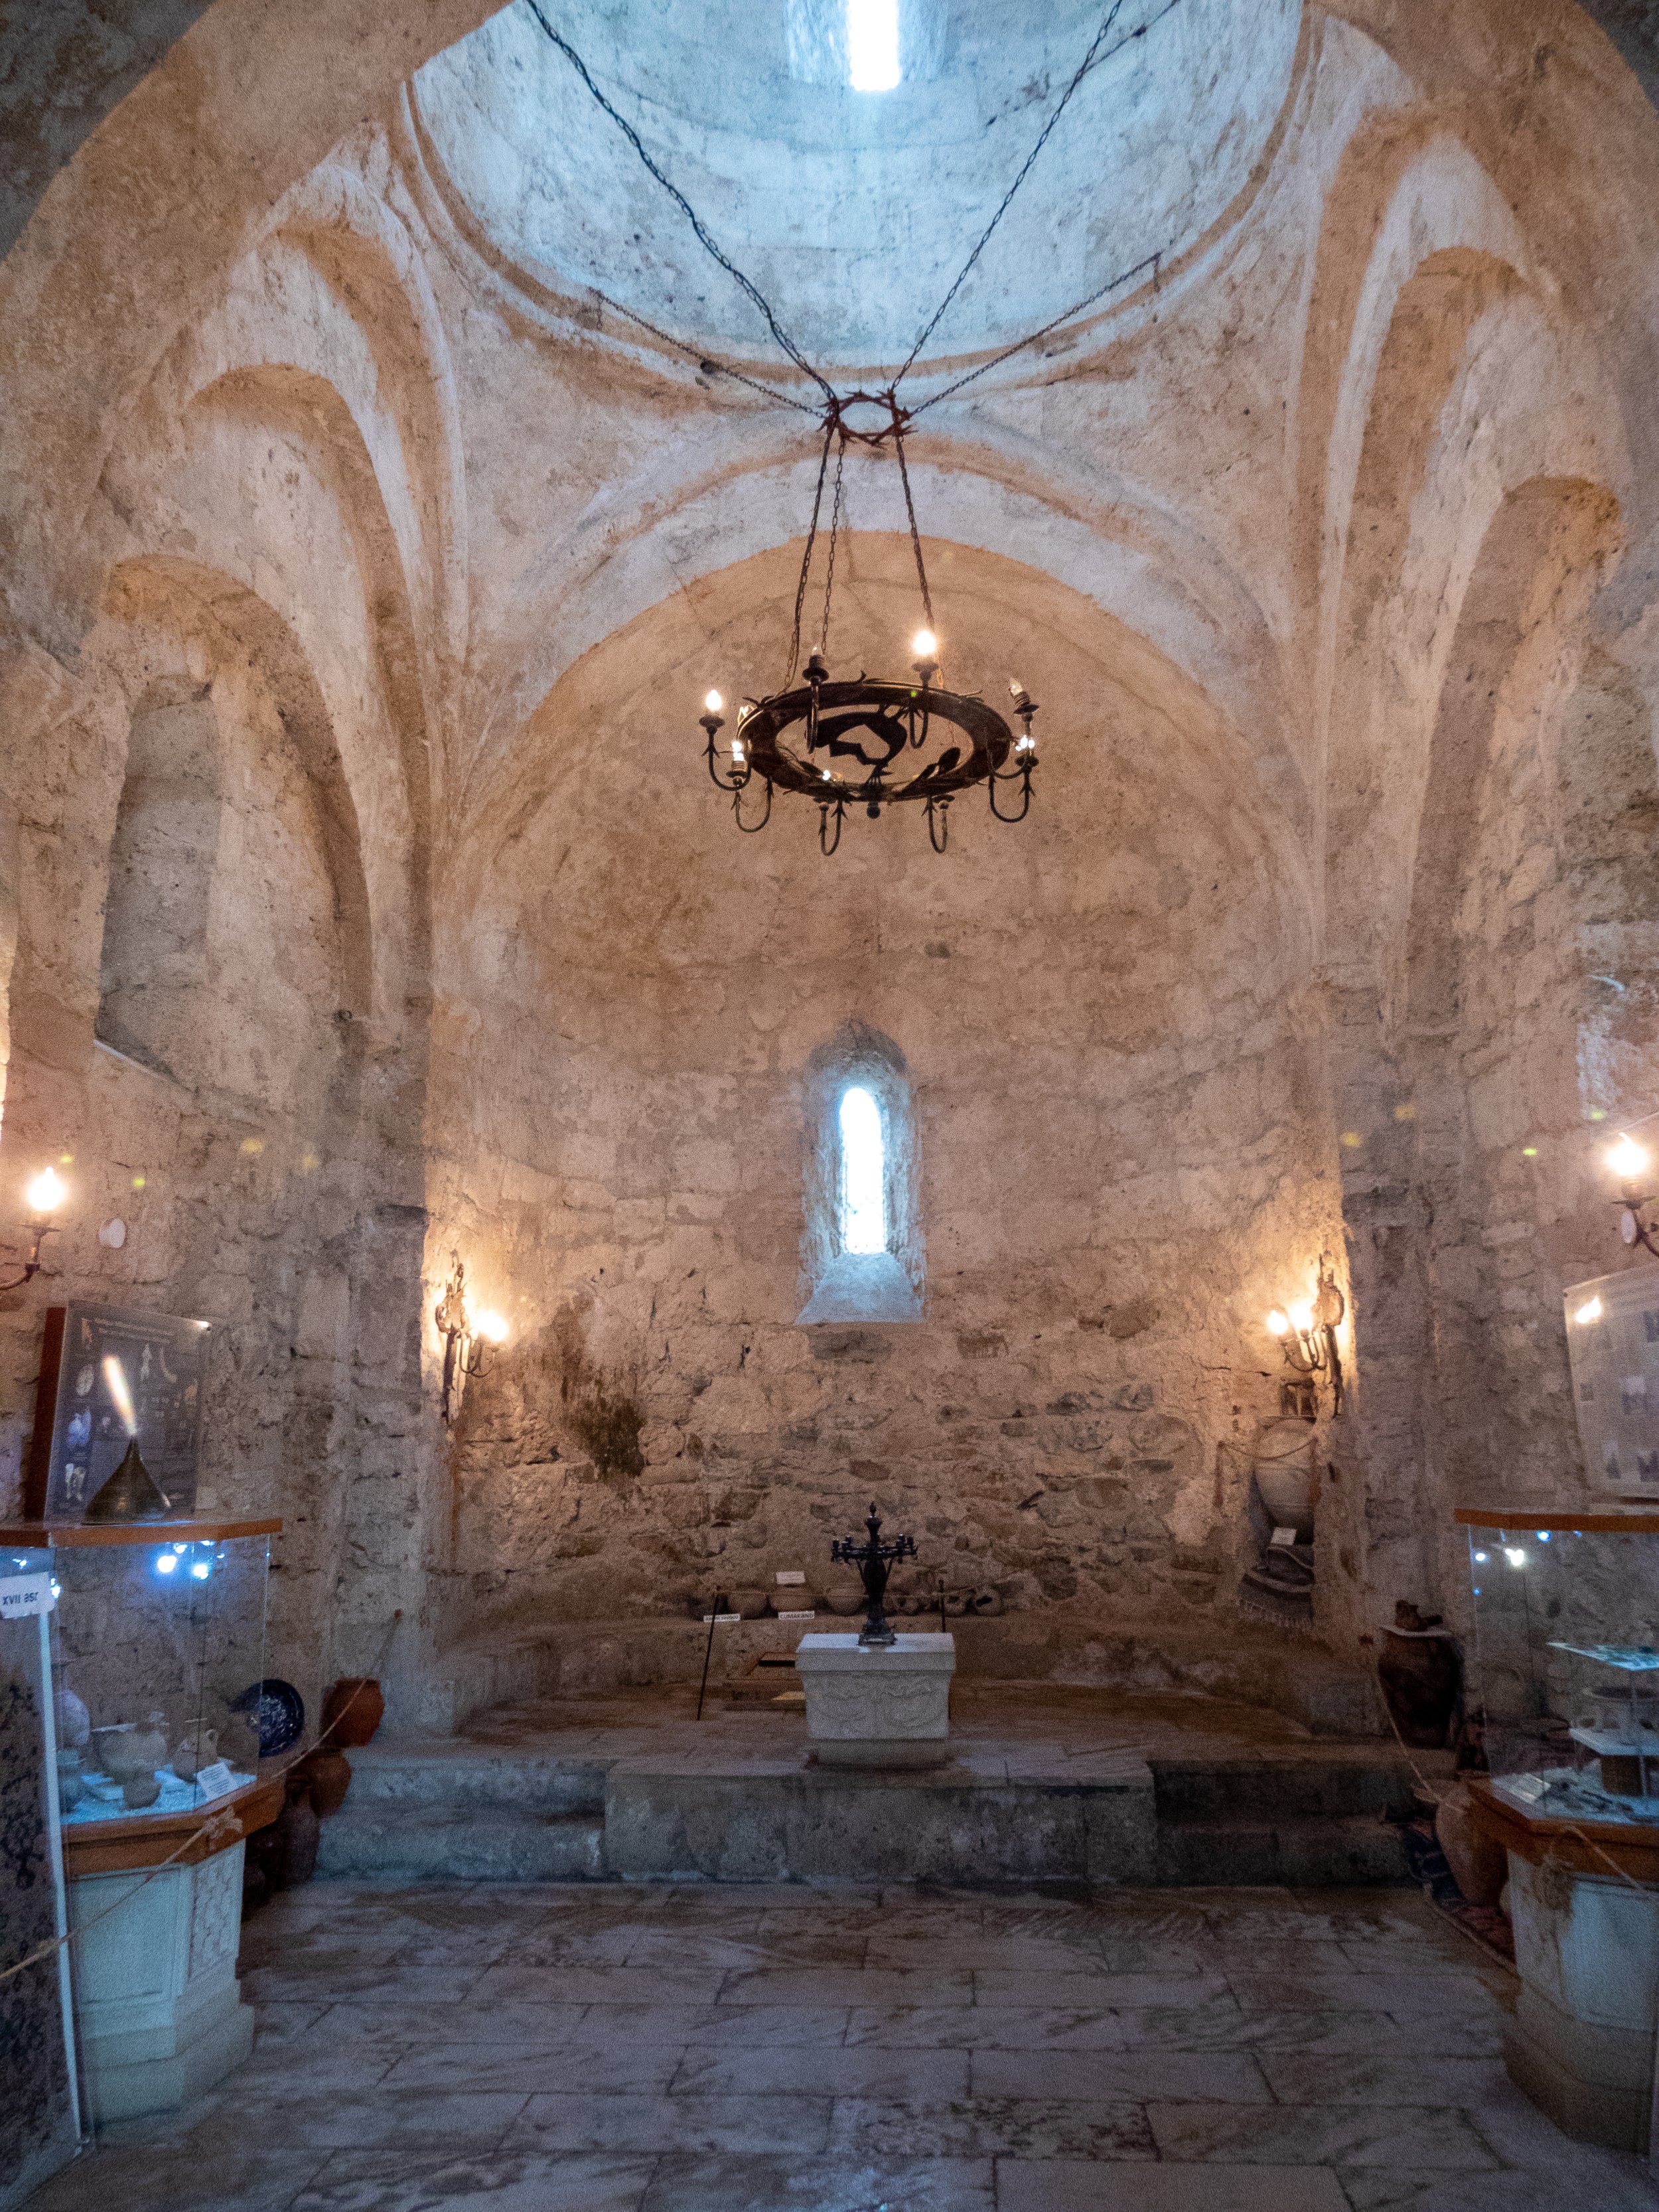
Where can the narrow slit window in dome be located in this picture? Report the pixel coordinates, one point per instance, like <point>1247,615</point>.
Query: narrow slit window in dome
<point>872,47</point>
<point>863,1173</point>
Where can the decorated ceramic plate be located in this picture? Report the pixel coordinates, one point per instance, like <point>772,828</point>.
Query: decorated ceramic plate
<point>278,1710</point>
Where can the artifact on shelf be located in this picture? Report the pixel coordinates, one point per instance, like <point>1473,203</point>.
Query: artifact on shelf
<point>1420,1674</point>
<point>198,1747</point>
<point>353,1709</point>
<point>130,1494</point>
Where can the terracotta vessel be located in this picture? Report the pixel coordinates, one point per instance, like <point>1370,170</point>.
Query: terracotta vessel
<point>1480,1865</point>
<point>128,1752</point>
<point>352,1711</point>
<point>985,1603</point>
<point>1420,1674</point>
<point>296,1833</point>
<point>140,1789</point>
<point>73,1721</point>
<point>199,1747</point>
<point>844,1602</point>
<point>326,1773</point>
<point>750,1603</point>
<point>71,1781</point>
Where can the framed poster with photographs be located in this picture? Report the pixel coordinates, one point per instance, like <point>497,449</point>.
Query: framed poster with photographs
<point>1612,1347</point>
<point>109,1375</point>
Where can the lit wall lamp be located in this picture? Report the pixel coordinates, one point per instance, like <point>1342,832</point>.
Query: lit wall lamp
<point>1307,1337</point>
<point>43,1196</point>
<point>1633,1168</point>
<point>464,1337</point>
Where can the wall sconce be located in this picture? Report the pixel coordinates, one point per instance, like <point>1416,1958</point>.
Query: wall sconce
<point>43,1196</point>
<point>465,1338</point>
<point>1633,1168</point>
<point>1307,1337</point>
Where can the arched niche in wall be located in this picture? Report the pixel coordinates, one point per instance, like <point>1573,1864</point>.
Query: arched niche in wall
<point>156,910</point>
<point>861,1243</point>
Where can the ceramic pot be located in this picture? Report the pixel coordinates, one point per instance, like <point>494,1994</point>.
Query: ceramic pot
<point>140,1789</point>
<point>199,1747</point>
<point>1419,1672</point>
<point>957,1603</point>
<point>327,1774</point>
<point>844,1602</point>
<point>1284,1476</point>
<point>126,1751</point>
<point>1480,1866</point>
<point>73,1721</point>
<point>296,1834</point>
<point>71,1781</point>
<point>750,1603</point>
<point>352,1711</point>
<point>985,1603</point>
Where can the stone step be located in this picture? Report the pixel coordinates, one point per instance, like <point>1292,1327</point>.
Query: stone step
<point>429,1842</point>
<point>1306,1853</point>
<point>1251,1790</point>
<point>461,1775</point>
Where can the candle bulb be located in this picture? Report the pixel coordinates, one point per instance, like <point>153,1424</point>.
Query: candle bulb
<point>712,703</point>
<point>47,1193</point>
<point>924,645</point>
<point>1278,1322</point>
<point>1627,1160</point>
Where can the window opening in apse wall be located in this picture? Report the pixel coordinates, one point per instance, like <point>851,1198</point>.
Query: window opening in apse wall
<point>863,1173</point>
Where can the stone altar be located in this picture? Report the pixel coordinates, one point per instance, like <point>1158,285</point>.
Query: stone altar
<point>879,1706</point>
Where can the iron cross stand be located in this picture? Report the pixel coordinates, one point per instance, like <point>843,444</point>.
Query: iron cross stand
<point>875,1562</point>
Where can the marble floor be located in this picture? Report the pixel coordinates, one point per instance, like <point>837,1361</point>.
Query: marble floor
<point>603,2048</point>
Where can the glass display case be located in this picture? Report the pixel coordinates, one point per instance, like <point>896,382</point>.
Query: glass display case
<point>1566,1617</point>
<point>158,1658</point>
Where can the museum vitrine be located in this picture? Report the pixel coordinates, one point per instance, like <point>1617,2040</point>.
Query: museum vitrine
<point>158,1662</point>
<point>1566,1615</point>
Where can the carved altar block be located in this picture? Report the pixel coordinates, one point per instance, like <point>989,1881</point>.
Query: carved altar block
<point>885,1705</point>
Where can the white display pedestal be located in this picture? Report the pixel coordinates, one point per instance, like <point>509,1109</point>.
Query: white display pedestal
<point>886,1705</point>
<point>155,1983</point>
<point>1582,2046</point>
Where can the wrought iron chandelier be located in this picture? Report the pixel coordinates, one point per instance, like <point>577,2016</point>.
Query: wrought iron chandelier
<point>872,741</point>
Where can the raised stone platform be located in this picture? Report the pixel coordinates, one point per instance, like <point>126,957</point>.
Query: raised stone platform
<point>1046,1784</point>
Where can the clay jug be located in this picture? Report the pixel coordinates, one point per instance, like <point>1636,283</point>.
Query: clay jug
<point>1480,1865</point>
<point>1420,1674</point>
<point>327,1773</point>
<point>352,1711</point>
<point>200,1748</point>
<point>296,1831</point>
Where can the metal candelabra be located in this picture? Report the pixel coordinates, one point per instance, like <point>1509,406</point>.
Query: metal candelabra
<point>875,1561</point>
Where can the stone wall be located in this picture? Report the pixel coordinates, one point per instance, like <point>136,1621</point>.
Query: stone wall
<point>1330,557</point>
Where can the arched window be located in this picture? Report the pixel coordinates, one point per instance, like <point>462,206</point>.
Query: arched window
<point>863,1172</point>
<point>862,1251</point>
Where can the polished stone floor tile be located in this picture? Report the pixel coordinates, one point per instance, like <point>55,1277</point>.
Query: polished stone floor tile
<point>1217,2077</point>
<point>788,2184</point>
<point>1623,2186</point>
<point>600,2121</point>
<point>1318,2134</point>
<point>515,2181</point>
<point>1391,2077</point>
<point>808,2070</point>
<point>695,2048</point>
<point>991,2127</point>
<point>1056,2185</point>
<point>987,2027</point>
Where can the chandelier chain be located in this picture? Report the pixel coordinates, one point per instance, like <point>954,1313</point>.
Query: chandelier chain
<point>684,205</point>
<point>915,535</point>
<point>807,559</point>
<point>834,532</point>
<point>703,358</point>
<point>1152,261</point>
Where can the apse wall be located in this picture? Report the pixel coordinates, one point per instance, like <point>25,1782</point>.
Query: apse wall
<point>1123,1158</point>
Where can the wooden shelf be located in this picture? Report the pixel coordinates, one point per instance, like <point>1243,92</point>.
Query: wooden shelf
<point>1580,1845</point>
<point>148,1839</point>
<point>1608,1518</point>
<point>61,1535</point>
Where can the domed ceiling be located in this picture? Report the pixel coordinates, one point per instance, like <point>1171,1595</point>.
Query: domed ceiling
<point>853,211</point>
